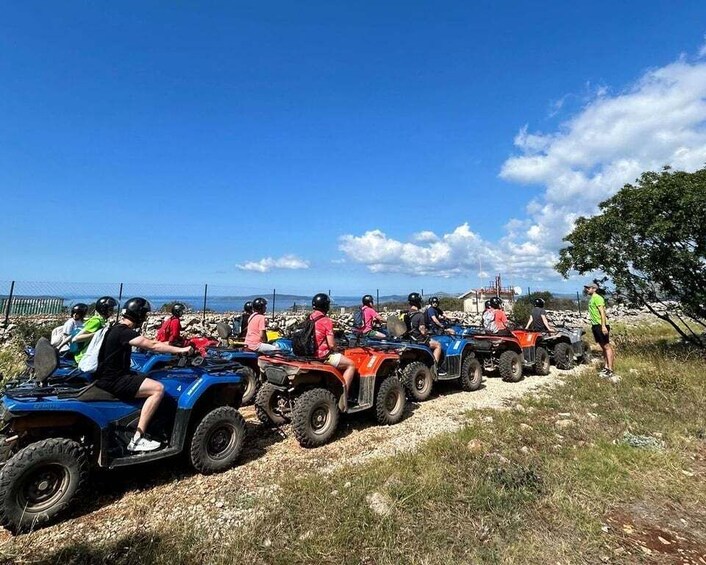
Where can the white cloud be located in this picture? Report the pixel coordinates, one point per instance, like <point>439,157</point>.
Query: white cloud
<point>659,120</point>
<point>266,264</point>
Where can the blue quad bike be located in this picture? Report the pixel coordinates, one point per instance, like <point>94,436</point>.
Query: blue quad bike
<point>54,431</point>
<point>459,360</point>
<point>248,359</point>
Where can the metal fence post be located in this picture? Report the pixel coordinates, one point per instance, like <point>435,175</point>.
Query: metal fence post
<point>578,302</point>
<point>120,294</point>
<point>8,304</point>
<point>274,302</point>
<point>205,298</point>
<point>377,297</point>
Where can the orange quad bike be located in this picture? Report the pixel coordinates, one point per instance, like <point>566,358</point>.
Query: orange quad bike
<point>512,351</point>
<point>311,395</point>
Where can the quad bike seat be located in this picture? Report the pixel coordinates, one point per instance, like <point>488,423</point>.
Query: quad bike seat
<point>90,393</point>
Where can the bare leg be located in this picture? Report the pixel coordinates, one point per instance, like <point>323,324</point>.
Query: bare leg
<point>153,391</point>
<point>609,354</point>
<point>348,370</point>
<point>436,350</point>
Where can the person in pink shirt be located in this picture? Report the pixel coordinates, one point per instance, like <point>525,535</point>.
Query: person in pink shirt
<point>500,317</point>
<point>323,325</point>
<point>256,335</point>
<point>370,316</point>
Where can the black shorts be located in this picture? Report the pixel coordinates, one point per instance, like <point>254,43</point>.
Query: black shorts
<point>125,387</point>
<point>599,336</point>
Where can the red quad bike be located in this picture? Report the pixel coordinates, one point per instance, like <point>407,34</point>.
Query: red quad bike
<point>510,353</point>
<point>310,393</point>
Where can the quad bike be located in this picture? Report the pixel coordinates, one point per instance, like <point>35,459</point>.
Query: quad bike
<point>54,432</point>
<point>226,348</point>
<point>567,347</point>
<point>512,352</point>
<point>459,360</point>
<point>311,394</point>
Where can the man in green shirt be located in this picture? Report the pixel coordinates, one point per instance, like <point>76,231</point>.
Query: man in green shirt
<point>105,307</point>
<point>600,327</point>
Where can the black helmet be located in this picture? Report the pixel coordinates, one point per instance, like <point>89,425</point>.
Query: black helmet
<point>79,309</point>
<point>247,307</point>
<point>434,301</point>
<point>178,309</point>
<point>259,305</point>
<point>136,310</point>
<point>367,300</point>
<point>321,302</point>
<point>415,299</point>
<point>487,304</point>
<point>539,303</point>
<point>106,305</point>
<point>495,302</point>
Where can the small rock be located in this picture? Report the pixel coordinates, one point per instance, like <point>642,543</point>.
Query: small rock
<point>563,424</point>
<point>334,493</point>
<point>525,427</point>
<point>525,449</point>
<point>474,446</point>
<point>379,504</point>
<point>347,484</point>
<point>488,419</point>
<point>306,535</point>
<point>564,414</point>
<point>267,542</point>
<point>520,408</point>
<point>219,504</point>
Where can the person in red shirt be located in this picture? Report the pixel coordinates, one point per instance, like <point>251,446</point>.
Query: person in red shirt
<point>170,331</point>
<point>323,325</point>
<point>500,322</point>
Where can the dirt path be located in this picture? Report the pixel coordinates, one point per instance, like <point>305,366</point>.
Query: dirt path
<point>149,497</point>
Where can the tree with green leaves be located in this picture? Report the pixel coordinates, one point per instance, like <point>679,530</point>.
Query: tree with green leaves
<point>650,241</point>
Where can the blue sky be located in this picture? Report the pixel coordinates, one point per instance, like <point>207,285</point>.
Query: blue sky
<point>342,145</point>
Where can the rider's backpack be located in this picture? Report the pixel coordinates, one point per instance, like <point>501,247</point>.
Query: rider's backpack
<point>304,339</point>
<point>358,319</point>
<point>89,361</point>
<point>489,320</point>
<point>57,335</point>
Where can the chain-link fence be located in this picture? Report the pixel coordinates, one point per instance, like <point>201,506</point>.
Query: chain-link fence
<point>21,299</point>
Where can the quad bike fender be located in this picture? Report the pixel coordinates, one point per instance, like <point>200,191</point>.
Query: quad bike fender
<point>527,338</point>
<point>414,352</point>
<point>370,363</point>
<point>207,384</point>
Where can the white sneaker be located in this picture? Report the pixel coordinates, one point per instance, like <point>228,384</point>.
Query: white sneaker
<point>143,444</point>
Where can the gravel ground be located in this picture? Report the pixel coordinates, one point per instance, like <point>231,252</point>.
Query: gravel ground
<point>149,497</point>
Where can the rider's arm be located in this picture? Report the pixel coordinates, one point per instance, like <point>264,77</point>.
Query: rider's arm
<point>157,346</point>
<point>436,321</point>
<point>604,320</point>
<point>529,323</point>
<point>546,323</point>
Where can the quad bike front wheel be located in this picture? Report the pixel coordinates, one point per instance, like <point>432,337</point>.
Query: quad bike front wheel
<point>217,440</point>
<point>541,361</point>
<point>390,401</point>
<point>418,380</point>
<point>471,374</point>
<point>510,366</point>
<point>564,356</point>
<point>315,417</point>
<point>269,405</point>
<point>251,384</point>
<point>41,481</point>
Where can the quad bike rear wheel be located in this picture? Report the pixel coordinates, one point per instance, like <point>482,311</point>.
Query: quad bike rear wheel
<point>390,401</point>
<point>564,356</point>
<point>510,366</point>
<point>315,417</point>
<point>251,384</point>
<point>418,380</point>
<point>269,403</point>
<point>471,374</point>
<point>217,440</point>
<point>41,481</point>
<point>542,362</point>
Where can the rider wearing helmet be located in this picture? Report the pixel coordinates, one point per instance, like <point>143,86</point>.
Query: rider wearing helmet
<point>499,324</point>
<point>170,330</point>
<point>435,319</point>
<point>72,326</point>
<point>105,307</point>
<point>244,319</point>
<point>538,320</point>
<point>113,373</point>
<point>417,327</point>
<point>256,335</point>
<point>370,317</point>
<point>323,329</point>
